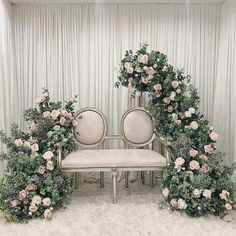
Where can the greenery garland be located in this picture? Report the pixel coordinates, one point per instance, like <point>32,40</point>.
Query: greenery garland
<point>195,181</point>
<point>34,185</point>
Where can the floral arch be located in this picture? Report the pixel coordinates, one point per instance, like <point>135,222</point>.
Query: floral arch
<point>195,181</point>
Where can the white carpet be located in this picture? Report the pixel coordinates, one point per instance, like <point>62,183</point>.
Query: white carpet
<point>91,212</point>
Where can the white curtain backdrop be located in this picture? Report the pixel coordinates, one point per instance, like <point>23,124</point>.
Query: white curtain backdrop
<point>6,69</point>
<point>225,95</point>
<point>73,49</point>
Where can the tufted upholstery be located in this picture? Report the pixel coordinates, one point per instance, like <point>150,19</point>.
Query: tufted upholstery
<point>113,158</point>
<point>91,127</point>
<point>137,126</point>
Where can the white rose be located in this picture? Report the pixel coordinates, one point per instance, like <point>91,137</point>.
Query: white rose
<point>174,116</point>
<point>26,144</point>
<point>179,161</point>
<point>172,96</point>
<point>194,125</point>
<point>34,147</point>
<point>165,192</point>
<point>192,110</point>
<point>207,193</point>
<point>173,202</point>
<point>182,204</point>
<point>196,192</point>
<point>187,114</point>
<point>194,165</point>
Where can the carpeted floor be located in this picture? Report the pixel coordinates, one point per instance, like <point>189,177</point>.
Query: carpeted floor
<point>91,212</point>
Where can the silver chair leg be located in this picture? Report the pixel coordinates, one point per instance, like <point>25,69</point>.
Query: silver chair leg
<point>151,179</point>
<point>101,179</point>
<point>126,179</point>
<point>114,181</point>
<point>142,177</point>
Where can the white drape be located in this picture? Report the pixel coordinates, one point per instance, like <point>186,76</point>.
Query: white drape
<point>6,69</point>
<point>73,49</point>
<point>225,95</point>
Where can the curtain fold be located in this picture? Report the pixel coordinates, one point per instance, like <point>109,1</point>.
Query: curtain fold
<point>74,48</point>
<point>225,95</point>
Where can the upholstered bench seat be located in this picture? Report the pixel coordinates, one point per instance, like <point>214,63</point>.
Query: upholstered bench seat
<point>113,158</point>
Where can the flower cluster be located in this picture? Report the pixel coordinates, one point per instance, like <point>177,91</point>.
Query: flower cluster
<point>195,179</point>
<point>34,185</point>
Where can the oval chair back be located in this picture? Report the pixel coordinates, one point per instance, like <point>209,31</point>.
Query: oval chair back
<point>137,127</point>
<point>91,127</point>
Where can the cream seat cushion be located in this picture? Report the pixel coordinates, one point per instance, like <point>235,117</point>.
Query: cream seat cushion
<point>113,158</point>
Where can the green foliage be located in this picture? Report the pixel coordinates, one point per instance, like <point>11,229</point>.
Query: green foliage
<point>195,181</point>
<point>34,185</point>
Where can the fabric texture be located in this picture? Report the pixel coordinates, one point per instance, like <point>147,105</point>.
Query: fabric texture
<point>138,127</point>
<point>113,158</point>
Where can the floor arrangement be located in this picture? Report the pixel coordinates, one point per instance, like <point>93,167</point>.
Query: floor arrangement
<point>91,212</point>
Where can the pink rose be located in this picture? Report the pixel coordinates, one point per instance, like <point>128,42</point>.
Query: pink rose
<point>166,100</point>
<point>194,165</point>
<point>22,195</point>
<point>145,80</point>
<point>55,114</point>
<point>62,120</point>
<point>36,200</point>
<point>40,100</point>
<point>33,208</point>
<point>69,116</point>
<point>203,157</point>
<point>18,142</point>
<point>47,214</point>
<point>165,192</point>
<point>50,165</point>
<point>150,70</point>
<point>127,65</point>
<point>173,202</point>
<point>205,168</point>
<point>214,136</point>
<point>193,125</point>
<point>208,148</point>
<point>56,127</point>
<point>178,122</point>
<point>228,206</point>
<point>47,201</point>
<point>30,187</point>
<point>175,84</point>
<point>46,114</point>
<point>130,70</point>
<point>41,169</point>
<point>34,127</point>
<point>178,91</point>
<point>157,87</point>
<point>14,203</point>
<point>48,155</point>
<point>224,195</point>
<point>64,113</point>
<point>179,162</point>
<point>193,152</point>
<point>190,173</point>
<point>170,109</point>
<point>45,94</point>
<point>143,59</point>
<point>75,123</point>
<point>182,204</point>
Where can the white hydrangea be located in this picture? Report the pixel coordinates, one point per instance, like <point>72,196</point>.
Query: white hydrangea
<point>192,110</point>
<point>187,114</point>
<point>172,96</point>
<point>197,192</point>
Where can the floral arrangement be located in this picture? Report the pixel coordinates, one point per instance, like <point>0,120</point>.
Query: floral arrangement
<point>195,181</point>
<point>34,185</point>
